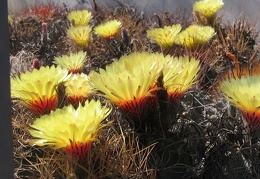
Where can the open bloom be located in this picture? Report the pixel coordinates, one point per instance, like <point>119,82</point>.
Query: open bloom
<point>36,90</point>
<point>129,83</point>
<point>80,35</point>
<point>73,62</point>
<point>244,93</point>
<point>179,75</point>
<point>79,17</point>
<point>77,89</point>
<point>72,130</point>
<point>195,35</point>
<point>208,8</point>
<point>108,29</point>
<point>164,36</point>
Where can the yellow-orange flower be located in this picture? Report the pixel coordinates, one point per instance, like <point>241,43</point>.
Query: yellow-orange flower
<point>244,93</point>
<point>36,90</point>
<point>108,29</point>
<point>129,82</point>
<point>79,17</point>
<point>164,36</point>
<point>78,89</point>
<point>195,35</point>
<point>179,75</point>
<point>208,8</point>
<point>80,35</point>
<point>73,62</point>
<point>69,129</point>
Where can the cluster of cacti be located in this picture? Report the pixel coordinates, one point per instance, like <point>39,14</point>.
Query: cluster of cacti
<point>113,104</point>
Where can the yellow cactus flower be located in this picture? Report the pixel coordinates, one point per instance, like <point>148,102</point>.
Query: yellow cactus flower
<point>164,36</point>
<point>10,20</point>
<point>69,129</point>
<point>79,17</point>
<point>179,75</point>
<point>80,35</point>
<point>208,8</point>
<point>73,62</point>
<point>135,61</point>
<point>108,29</point>
<point>129,83</point>
<point>195,35</point>
<point>77,89</point>
<point>36,90</point>
<point>244,93</point>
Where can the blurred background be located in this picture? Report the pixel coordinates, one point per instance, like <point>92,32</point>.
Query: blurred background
<point>232,8</point>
